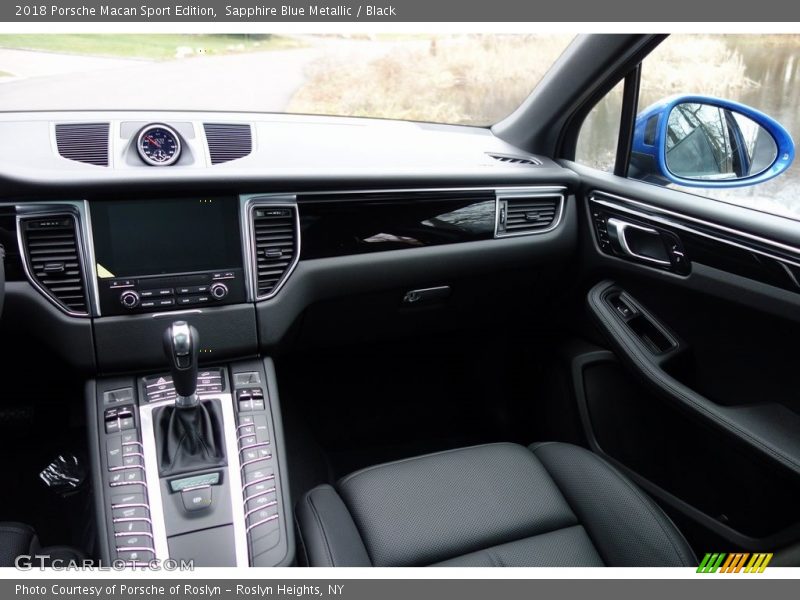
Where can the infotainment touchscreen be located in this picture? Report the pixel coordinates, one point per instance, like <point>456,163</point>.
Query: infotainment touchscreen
<point>134,238</point>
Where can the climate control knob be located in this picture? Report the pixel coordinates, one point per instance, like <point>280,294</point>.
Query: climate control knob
<point>219,290</point>
<point>129,299</point>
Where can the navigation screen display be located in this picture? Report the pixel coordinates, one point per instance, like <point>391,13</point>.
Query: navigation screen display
<point>153,237</point>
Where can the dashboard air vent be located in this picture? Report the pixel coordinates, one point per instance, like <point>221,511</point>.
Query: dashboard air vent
<point>53,259</point>
<point>227,142</point>
<point>276,245</point>
<point>516,160</point>
<point>83,142</point>
<point>527,213</point>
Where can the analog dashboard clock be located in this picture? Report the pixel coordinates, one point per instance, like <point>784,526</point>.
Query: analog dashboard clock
<point>158,145</point>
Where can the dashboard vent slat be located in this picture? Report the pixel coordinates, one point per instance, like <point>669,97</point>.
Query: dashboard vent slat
<point>83,142</point>
<point>527,214</point>
<point>511,159</point>
<point>276,245</point>
<point>227,142</point>
<point>53,256</point>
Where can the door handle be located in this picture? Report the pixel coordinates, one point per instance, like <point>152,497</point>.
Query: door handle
<point>618,231</point>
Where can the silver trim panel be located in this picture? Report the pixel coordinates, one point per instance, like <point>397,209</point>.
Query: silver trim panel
<point>151,476</point>
<point>262,480</point>
<point>130,519</point>
<point>76,210</point>
<point>616,231</point>
<point>112,469</point>
<point>255,460</point>
<point>258,445</point>
<point>90,257</point>
<point>249,204</point>
<point>269,504</point>
<point>161,315</point>
<point>120,534</point>
<point>597,196</point>
<point>529,192</point>
<point>234,480</point>
<point>271,490</point>
<point>262,521</point>
<point>154,163</point>
<point>131,505</point>
<point>478,188</point>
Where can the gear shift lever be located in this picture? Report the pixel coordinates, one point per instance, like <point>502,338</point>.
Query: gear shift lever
<point>189,433</point>
<point>181,345</point>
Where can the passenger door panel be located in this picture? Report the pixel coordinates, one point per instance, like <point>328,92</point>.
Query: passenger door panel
<point>702,317</point>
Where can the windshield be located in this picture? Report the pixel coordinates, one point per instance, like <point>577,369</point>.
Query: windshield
<point>461,79</point>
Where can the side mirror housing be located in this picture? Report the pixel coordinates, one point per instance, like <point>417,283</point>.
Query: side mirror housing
<point>702,141</point>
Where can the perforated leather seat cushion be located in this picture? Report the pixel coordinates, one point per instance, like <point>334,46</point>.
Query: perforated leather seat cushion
<point>494,505</point>
<point>18,539</point>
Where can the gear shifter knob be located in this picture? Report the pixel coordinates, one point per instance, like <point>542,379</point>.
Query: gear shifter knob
<point>182,345</point>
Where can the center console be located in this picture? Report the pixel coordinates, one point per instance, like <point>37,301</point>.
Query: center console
<point>233,510</point>
<point>187,441</point>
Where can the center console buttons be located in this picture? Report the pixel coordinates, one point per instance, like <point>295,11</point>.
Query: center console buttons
<point>129,299</point>
<point>219,290</point>
<point>195,499</point>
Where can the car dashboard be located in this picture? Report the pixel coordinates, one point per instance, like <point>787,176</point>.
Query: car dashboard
<point>121,225</point>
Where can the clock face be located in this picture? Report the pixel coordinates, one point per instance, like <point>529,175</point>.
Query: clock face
<point>158,145</point>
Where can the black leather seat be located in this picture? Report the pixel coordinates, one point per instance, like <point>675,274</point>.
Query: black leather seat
<point>552,504</point>
<point>18,539</point>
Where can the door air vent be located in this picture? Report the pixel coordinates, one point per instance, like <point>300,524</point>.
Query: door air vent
<point>227,142</point>
<point>510,159</point>
<point>83,142</point>
<point>276,244</point>
<point>53,260</point>
<point>524,213</point>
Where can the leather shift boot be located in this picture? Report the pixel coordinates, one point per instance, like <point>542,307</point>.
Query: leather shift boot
<point>189,439</point>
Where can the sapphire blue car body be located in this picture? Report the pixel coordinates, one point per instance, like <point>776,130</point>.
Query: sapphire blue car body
<point>650,154</point>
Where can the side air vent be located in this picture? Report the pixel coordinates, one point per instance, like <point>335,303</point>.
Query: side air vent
<point>516,160</point>
<point>526,213</point>
<point>227,142</point>
<point>52,256</point>
<point>276,245</point>
<point>83,142</point>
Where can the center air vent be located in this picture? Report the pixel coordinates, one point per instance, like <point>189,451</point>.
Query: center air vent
<point>527,213</point>
<point>276,246</point>
<point>227,142</point>
<point>53,259</point>
<point>83,142</point>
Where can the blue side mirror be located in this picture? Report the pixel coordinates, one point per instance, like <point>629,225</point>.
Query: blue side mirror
<point>701,141</point>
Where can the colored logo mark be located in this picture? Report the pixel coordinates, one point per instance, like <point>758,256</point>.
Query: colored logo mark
<point>737,562</point>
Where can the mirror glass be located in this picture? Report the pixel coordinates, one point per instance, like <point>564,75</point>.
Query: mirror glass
<point>707,142</point>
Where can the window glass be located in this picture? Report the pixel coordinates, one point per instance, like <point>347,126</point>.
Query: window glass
<point>475,79</point>
<point>597,140</point>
